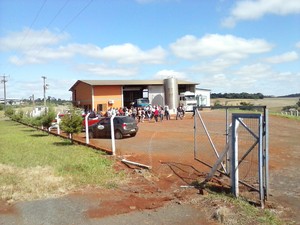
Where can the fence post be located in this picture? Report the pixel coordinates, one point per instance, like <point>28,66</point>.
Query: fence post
<point>113,144</point>
<point>87,138</point>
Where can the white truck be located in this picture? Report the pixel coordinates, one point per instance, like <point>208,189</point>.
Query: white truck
<point>188,100</point>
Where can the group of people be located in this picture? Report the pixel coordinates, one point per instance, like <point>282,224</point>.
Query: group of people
<point>158,113</point>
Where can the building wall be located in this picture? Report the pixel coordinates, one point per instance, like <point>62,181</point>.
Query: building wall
<point>204,96</point>
<point>156,95</point>
<point>82,95</point>
<point>108,97</point>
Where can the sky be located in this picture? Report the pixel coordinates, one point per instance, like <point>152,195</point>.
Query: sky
<point>226,46</point>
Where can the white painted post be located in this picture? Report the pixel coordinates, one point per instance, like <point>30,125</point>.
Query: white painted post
<point>113,145</point>
<point>57,122</point>
<point>87,139</point>
<point>234,157</point>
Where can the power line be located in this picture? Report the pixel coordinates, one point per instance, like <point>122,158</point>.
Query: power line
<point>57,14</point>
<point>53,19</point>
<point>31,25</point>
<point>69,23</point>
<point>77,15</point>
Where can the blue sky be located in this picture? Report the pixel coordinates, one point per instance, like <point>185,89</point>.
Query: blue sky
<point>224,45</point>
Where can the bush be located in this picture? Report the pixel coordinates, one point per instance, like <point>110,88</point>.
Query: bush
<point>47,118</point>
<point>72,123</point>
<point>296,107</point>
<point>218,103</point>
<point>9,112</point>
<point>246,105</point>
<point>18,116</point>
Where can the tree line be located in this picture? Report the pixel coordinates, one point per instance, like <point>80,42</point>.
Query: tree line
<point>242,95</point>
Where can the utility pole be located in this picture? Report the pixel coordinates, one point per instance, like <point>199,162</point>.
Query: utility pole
<point>31,98</point>
<point>4,84</point>
<point>45,87</point>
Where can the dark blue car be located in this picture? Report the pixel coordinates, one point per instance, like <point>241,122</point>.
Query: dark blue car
<point>123,125</point>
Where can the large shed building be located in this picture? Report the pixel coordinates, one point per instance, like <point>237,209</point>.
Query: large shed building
<point>100,95</point>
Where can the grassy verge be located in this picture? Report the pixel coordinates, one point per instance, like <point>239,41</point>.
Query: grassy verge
<point>35,165</point>
<point>231,211</point>
<point>287,116</point>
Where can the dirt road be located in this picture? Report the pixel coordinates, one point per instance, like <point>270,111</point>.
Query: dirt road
<point>163,196</point>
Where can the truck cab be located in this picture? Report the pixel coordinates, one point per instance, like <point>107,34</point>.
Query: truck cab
<point>141,102</point>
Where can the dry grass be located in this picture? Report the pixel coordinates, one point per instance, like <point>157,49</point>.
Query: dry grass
<point>31,183</point>
<point>35,165</point>
<point>273,104</point>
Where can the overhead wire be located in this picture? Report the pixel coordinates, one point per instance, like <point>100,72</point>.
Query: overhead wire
<point>53,19</point>
<point>31,25</point>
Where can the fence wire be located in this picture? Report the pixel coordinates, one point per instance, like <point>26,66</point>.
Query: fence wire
<point>212,134</point>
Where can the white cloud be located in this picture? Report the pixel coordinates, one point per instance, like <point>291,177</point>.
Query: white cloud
<point>216,66</point>
<point>131,54</point>
<point>225,46</point>
<point>163,74</point>
<point>286,57</point>
<point>88,50</point>
<point>30,86</point>
<point>255,9</point>
<point>35,47</point>
<point>41,55</point>
<point>29,39</point>
<point>257,70</point>
<point>105,71</point>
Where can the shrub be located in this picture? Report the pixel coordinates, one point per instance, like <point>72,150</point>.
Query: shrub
<point>47,118</point>
<point>217,103</point>
<point>72,123</point>
<point>18,116</point>
<point>246,105</point>
<point>9,112</point>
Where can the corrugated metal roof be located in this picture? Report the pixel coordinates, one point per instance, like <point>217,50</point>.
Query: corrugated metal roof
<point>122,82</point>
<point>128,82</point>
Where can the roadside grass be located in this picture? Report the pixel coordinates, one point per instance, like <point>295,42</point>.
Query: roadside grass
<point>229,210</point>
<point>34,164</point>
<point>287,116</point>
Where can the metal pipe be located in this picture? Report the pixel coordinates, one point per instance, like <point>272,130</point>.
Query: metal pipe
<point>87,139</point>
<point>113,144</point>
<point>210,140</point>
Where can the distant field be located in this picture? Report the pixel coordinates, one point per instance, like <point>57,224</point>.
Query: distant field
<point>273,104</point>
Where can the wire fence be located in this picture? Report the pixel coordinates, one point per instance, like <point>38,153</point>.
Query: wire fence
<point>213,137</point>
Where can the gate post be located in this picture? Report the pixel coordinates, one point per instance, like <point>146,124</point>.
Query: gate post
<point>234,158</point>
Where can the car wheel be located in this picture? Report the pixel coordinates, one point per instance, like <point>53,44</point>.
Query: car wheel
<point>118,134</point>
<point>132,135</point>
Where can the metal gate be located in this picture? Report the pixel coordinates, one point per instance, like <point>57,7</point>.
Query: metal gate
<point>236,145</point>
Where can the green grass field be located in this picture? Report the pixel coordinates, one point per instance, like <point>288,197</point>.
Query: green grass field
<point>34,164</point>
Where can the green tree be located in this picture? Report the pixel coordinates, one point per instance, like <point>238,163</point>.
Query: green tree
<point>18,116</point>
<point>9,112</point>
<point>48,118</point>
<point>71,123</point>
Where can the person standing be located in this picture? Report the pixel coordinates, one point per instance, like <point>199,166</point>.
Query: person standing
<point>156,114</point>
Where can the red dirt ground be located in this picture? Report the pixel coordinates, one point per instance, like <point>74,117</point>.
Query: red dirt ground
<point>167,147</point>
